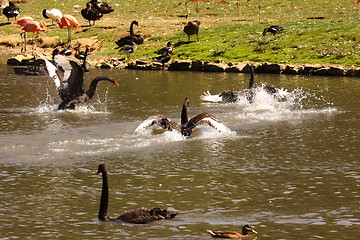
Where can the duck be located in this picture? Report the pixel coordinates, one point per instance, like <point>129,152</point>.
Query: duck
<point>165,53</point>
<point>232,96</point>
<point>101,6</point>
<point>82,55</point>
<point>68,77</point>
<point>232,234</point>
<point>127,40</point>
<point>186,126</point>
<point>90,13</point>
<point>273,29</point>
<point>128,49</point>
<point>138,216</point>
<point>11,11</point>
<point>192,28</point>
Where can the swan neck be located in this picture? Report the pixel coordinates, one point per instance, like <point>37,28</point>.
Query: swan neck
<point>132,29</point>
<point>251,82</point>
<point>104,200</point>
<point>184,117</point>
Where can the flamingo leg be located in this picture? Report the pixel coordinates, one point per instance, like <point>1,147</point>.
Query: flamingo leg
<point>197,10</point>
<point>69,35</point>
<point>23,49</point>
<point>187,10</point>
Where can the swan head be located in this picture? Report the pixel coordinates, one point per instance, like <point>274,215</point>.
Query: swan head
<point>102,169</point>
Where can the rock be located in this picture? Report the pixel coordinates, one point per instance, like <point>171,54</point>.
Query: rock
<point>19,60</point>
<point>180,65</point>
<point>268,68</point>
<point>197,66</point>
<point>215,67</point>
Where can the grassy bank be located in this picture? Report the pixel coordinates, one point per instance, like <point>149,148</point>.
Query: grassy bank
<point>321,32</point>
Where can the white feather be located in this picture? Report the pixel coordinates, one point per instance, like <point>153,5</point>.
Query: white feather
<point>216,124</point>
<point>145,124</point>
<point>210,98</point>
<point>54,14</point>
<point>51,71</point>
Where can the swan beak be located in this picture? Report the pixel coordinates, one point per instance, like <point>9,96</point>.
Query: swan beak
<point>115,82</point>
<point>97,173</point>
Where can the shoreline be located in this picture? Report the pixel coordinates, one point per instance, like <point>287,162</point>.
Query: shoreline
<point>205,66</point>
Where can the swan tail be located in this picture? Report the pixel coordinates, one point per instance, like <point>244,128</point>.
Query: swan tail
<point>211,98</point>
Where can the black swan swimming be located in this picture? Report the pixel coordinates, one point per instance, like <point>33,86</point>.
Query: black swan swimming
<point>273,29</point>
<point>132,38</point>
<point>139,215</point>
<point>192,28</point>
<point>186,126</point>
<point>11,11</point>
<point>234,95</point>
<point>68,77</point>
<point>165,53</point>
<point>90,13</point>
<point>232,234</point>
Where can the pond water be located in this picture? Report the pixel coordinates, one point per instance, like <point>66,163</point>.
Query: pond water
<point>290,169</point>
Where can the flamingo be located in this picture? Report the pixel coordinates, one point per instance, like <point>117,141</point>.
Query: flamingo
<point>69,22</point>
<point>34,27</point>
<point>197,9</point>
<point>23,20</point>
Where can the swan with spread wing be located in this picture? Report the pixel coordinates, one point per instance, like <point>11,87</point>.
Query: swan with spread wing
<point>68,77</point>
<point>186,126</point>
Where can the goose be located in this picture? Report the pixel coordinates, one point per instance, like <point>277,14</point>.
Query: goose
<point>136,38</point>
<point>101,6</point>
<point>233,95</point>
<point>68,78</point>
<point>138,216</point>
<point>11,11</point>
<point>186,126</point>
<point>192,28</point>
<point>232,234</point>
<point>90,13</point>
<point>165,53</point>
<point>273,29</point>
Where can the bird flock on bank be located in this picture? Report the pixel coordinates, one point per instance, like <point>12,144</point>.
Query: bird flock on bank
<point>68,77</point>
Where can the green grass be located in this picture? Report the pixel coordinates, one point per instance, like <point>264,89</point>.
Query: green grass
<point>224,35</point>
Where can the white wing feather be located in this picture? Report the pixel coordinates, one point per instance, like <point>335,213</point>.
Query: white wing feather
<point>215,124</point>
<point>211,98</point>
<point>145,124</point>
<point>51,71</point>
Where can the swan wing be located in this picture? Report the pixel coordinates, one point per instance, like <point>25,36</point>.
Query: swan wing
<point>158,119</point>
<point>207,118</point>
<point>52,71</point>
<point>207,96</point>
<point>72,77</point>
<point>142,215</point>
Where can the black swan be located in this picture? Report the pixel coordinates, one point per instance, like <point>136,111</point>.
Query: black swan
<point>101,6</point>
<point>90,13</point>
<point>186,126</point>
<point>82,55</point>
<point>273,29</point>
<point>192,28</point>
<point>165,53</point>
<point>11,11</point>
<point>128,40</point>
<point>232,234</point>
<point>68,77</point>
<point>233,95</point>
<point>139,215</point>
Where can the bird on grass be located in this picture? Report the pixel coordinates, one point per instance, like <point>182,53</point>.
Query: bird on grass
<point>137,216</point>
<point>132,38</point>
<point>34,27</point>
<point>101,6</point>
<point>91,14</point>
<point>273,29</point>
<point>11,11</point>
<point>165,53</point>
<point>68,77</point>
<point>128,49</point>
<point>232,234</point>
<point>54,14</point>
<point>192,28</point>
<point>70,22</point>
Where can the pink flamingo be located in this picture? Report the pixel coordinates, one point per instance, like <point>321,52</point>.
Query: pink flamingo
<point>34,27</point>
<point>69,22</point>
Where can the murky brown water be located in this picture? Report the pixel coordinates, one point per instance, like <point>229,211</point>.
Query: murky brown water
<point>290,169</point>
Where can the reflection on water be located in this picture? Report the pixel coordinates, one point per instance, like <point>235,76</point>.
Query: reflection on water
<point>289,168</point>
